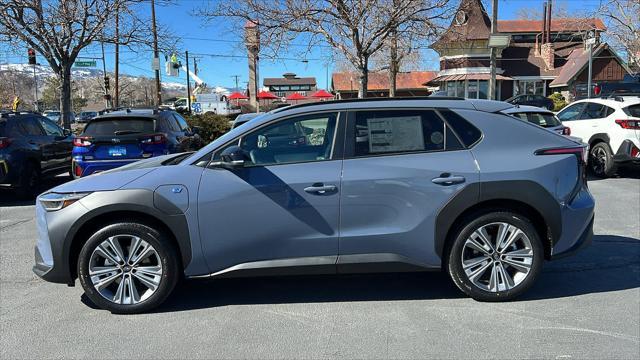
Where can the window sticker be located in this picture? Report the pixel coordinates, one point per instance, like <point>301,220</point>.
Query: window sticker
<point>395,134</point>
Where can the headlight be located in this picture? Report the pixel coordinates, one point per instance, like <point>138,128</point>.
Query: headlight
<point>56,201</point>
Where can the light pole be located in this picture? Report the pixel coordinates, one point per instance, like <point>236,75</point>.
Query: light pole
<point>156,60</point>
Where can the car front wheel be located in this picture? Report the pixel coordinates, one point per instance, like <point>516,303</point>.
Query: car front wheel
<point>495,257</point>
<point>128,268</point>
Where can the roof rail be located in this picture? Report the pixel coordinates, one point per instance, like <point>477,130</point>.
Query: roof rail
<point>343,101</point>
<point>6,114</point>
<point>619,96</point>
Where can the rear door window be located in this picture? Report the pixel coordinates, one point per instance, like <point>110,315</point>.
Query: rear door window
<point>30,126</point>
<point>468,133</point>
<point>120,126</point>
<point>543,119</point>
<point>49,127</point>
<point>593,111</point>
<point>401,131</point>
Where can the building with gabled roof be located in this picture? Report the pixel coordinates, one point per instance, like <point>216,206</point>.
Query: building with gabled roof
<point>543,56</point>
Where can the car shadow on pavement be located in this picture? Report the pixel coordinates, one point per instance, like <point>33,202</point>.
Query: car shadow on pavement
<point>611,263</point>
<point>9,198</point>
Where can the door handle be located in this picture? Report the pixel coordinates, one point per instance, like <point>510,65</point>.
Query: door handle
<point>320,189</point>
<point>447,180</point>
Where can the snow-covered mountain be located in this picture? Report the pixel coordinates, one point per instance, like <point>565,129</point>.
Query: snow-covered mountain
<point>43,72</point>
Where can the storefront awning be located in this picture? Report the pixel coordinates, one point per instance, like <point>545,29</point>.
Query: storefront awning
<point>478,76</point>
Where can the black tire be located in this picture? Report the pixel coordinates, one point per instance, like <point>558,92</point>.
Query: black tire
<point>29,182</point>
<point>454,262</point>
<point>165,250</point>
<point>601,161</point>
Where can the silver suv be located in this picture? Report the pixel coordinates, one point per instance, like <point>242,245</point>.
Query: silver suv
<point>333,187</point>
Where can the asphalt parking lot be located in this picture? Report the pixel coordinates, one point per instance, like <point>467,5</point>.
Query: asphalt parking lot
<point>586,306</point>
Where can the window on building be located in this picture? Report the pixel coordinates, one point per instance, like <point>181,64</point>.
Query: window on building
<point>534,87</point>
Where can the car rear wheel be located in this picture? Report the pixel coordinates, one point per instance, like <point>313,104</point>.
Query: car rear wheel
<point>601,160</point>
<point>495,257</point>
<point>128,268</point>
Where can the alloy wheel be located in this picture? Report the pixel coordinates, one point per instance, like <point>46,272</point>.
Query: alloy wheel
<point>497,257</point>
<point>598,160</point>
<point>124,269</point>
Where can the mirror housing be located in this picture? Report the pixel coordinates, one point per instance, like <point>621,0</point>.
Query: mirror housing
<point>232,157</point>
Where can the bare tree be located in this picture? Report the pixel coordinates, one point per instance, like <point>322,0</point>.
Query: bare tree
<point>623,27</point>
<point>59,29</point>
<point>357,29</point>
<point>558,11</point>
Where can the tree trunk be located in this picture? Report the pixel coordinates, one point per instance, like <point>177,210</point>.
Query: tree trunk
<point>393,65</point>
<point>65,95</point>
<point>363,78</point>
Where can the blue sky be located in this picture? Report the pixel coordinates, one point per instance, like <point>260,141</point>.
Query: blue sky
<point>220,38</point>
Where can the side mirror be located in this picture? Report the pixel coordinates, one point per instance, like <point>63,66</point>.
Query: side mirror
<point>232,157</point>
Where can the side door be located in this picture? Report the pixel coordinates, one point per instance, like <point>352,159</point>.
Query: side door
<point>281,208</point>
<point>401,167</point>
<point>571,116</point>
<point>38,141</point>
<point>61,144</point>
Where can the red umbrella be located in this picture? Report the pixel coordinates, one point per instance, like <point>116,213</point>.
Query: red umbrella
<point>296,96</point>
<point>266,95</point>
<point>321,94</point>
<point>237,96</point>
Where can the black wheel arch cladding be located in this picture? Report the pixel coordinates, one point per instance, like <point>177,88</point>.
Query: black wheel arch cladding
<point>491,193</point>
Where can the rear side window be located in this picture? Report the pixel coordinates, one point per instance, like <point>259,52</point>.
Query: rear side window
<point>633,110</point>
<point>182,122</point>
<point>120,126</point>
<point>468,133</point>
<point>401,131</point>
<point>543,119</point>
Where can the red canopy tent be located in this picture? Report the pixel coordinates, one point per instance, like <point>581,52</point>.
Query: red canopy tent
<point>321,94</point>
<point>237,96</point>
<point>296,96</point>
<point>266,95</point>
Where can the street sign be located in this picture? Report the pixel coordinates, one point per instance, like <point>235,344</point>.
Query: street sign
<point>155,64</point>
<point>85,63</point>
<point>499,41</point>
<point>591,41</point>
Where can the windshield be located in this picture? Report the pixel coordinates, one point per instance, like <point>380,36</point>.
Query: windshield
<point>119,126</point>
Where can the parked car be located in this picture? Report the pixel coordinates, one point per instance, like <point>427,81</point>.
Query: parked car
<point>243,118</point>
<point>31,147</point>
<point>606,89</point>
<point>349,186</point>
<point>52,115</point>
<point>85,116</point>
<point>532,100</point>
<point>611,127</point>
<point>122,137</point>
<point>538,116</point>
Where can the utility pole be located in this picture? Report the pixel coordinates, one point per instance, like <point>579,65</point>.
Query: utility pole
<point>155,52</point>
<point>116,69</point>
<point>494,30</point>
<point>35,80</point>
<point>590,79</point>
<point>106,79</point>
<point>186,53</point>
<point>236,77</point>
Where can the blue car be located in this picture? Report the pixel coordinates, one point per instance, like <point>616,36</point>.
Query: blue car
<point>122,137</point>
<point>335,187</point>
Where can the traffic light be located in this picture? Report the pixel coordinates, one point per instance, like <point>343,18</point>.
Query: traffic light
<point>32,56</point>
<point>106,83</point>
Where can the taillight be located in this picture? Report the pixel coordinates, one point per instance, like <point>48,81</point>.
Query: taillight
<point>596,90</point>
<point>82,141</point>
<point>566,131</point>
<point>78,170</point>
<point>629,124</point>
<point>4,142</point>
<point>580,152</point>
<point>154,139</point>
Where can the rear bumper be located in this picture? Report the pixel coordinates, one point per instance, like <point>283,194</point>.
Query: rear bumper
<point>627,153</point>
<point>577,225</point>
<point>88,167</point>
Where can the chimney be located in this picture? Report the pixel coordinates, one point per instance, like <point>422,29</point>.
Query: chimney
<point>546,50</point>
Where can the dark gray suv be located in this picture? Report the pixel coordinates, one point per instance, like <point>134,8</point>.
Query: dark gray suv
<point>332,187</point>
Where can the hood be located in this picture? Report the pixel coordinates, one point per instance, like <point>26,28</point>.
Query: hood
<point>105,181</point>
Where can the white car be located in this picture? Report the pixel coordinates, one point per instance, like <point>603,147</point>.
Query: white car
<point>611,127</point>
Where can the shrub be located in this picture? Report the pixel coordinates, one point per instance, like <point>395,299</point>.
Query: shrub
<point>211,126</point>
<point>558,101</point>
